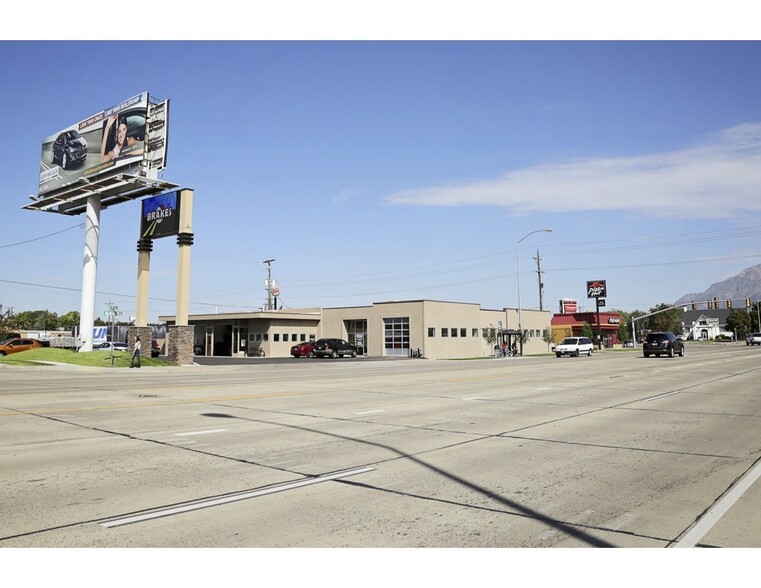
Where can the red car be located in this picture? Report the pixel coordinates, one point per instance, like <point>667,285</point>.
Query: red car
<point>305,349</point>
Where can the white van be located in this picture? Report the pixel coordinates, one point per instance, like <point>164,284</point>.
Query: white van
<point>574,346</point>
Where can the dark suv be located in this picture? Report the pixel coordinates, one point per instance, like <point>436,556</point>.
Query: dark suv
<point>69,149</point>
<point>334,348</point>
<point>664,343</point>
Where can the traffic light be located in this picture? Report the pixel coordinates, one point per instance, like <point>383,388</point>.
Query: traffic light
<point>693,305</point>
<point>710,304</point>
<point>729,303</point>
<point>716,302</point>
<point>747,303</point>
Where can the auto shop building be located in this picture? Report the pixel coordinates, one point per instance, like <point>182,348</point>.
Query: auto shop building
<point>434,329</point>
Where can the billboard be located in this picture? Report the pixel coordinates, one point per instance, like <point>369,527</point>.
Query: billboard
<point>161,216</point>
<point>112,139</point>
<point>568,306</point>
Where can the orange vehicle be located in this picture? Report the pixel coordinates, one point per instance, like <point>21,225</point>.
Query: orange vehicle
<point>18,345</point>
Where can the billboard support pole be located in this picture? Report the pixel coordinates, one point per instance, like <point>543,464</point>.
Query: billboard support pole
<point>181,333</point>
<point>144,248</point>
<point>89,272</point>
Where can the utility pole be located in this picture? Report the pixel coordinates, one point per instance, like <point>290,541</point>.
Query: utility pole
<point>539,273</point>
<point>269,282</point>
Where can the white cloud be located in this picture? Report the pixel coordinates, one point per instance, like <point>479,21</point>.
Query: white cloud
<point>720,177</point>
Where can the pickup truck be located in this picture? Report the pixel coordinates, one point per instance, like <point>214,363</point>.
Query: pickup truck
<point>753,339</point>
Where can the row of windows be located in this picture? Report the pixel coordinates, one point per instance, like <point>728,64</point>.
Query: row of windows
<point>276,337</point>
<point>453,332</point>
<point>460,332</point>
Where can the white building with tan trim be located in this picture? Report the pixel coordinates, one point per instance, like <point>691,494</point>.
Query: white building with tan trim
<point>437,329</point>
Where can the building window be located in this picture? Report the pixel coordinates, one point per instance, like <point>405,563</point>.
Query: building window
<point>444,332</point>
<point>285,337</point>
<point>431,331</point>
<point>453,331</point>
<point>474,333</point>
<point>463,332</point>
<point>396,336</point>
<point>265,337</point>
<point>276,337</point>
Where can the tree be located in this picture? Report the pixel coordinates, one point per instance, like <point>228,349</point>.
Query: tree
<point>668,320</point>
<point>490,334</point>
<point>549,336</point>
<point>740,322</point>
<point>69,320</point>
<point>624,327</point>
<point>586,331</point>
<point>42,320</point>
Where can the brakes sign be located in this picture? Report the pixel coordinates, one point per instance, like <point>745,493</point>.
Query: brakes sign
<point>596,289</point>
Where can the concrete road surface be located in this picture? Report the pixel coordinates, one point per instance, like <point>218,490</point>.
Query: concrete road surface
<point>613,450</point>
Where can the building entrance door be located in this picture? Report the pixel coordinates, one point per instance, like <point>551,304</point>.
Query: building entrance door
<point>356,333</point>
<point>240,340</point>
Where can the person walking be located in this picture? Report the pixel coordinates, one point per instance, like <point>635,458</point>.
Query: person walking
<point>135,354</point>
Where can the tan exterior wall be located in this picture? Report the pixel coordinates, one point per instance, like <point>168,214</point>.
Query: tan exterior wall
<point>465,318</point>
<point>429,320</point>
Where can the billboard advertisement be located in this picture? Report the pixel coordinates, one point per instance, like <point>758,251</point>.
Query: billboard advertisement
<point>568,306</point>
<point>161,216</point>
<point>112,139</point>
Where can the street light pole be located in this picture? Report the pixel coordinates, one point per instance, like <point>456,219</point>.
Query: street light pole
<point>518,270</point>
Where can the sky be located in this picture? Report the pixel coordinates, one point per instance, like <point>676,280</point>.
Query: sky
<point>402,168</point>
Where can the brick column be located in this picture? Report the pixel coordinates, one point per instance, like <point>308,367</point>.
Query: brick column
<point>179,344</point>
<point>145,334</point>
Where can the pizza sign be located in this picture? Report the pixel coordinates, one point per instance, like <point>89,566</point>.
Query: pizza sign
<point>596,289</point>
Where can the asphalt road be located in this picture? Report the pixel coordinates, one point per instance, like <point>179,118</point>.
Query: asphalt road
<point>610,451</point>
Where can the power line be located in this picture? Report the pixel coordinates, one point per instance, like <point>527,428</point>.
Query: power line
<point>79,226</point>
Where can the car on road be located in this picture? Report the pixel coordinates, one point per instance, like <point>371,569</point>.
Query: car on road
<point>662,343</point>
<point>628,343</point>
<point>574,346</point>
<point>305,349</point>
<point>17,345</point>
<point>334,348</point>
<point>69,149</point>
<point>753,339</point>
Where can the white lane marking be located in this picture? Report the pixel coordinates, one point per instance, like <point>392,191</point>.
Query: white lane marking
<point>200,432</point>
<point>720,509</point>
<point>235,498</point>
<point>475,398</point>
<point>660,396</point>
<point>370,412</point>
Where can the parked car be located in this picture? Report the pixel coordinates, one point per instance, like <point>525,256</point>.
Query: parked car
<point>628,343</point>
<point>155,348</point>
<point>18,345</point>
<point>334,348</point>
<point>69,149</point>
<point>574,346</point>
<point>664,343</point>
<point>753,339</point>
<point>305,349</point>
<point>117,346</point>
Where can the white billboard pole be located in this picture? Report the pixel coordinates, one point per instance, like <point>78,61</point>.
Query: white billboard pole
<point>89,272</point>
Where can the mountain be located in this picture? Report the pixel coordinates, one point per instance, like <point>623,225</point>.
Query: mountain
<point>746,284</point>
